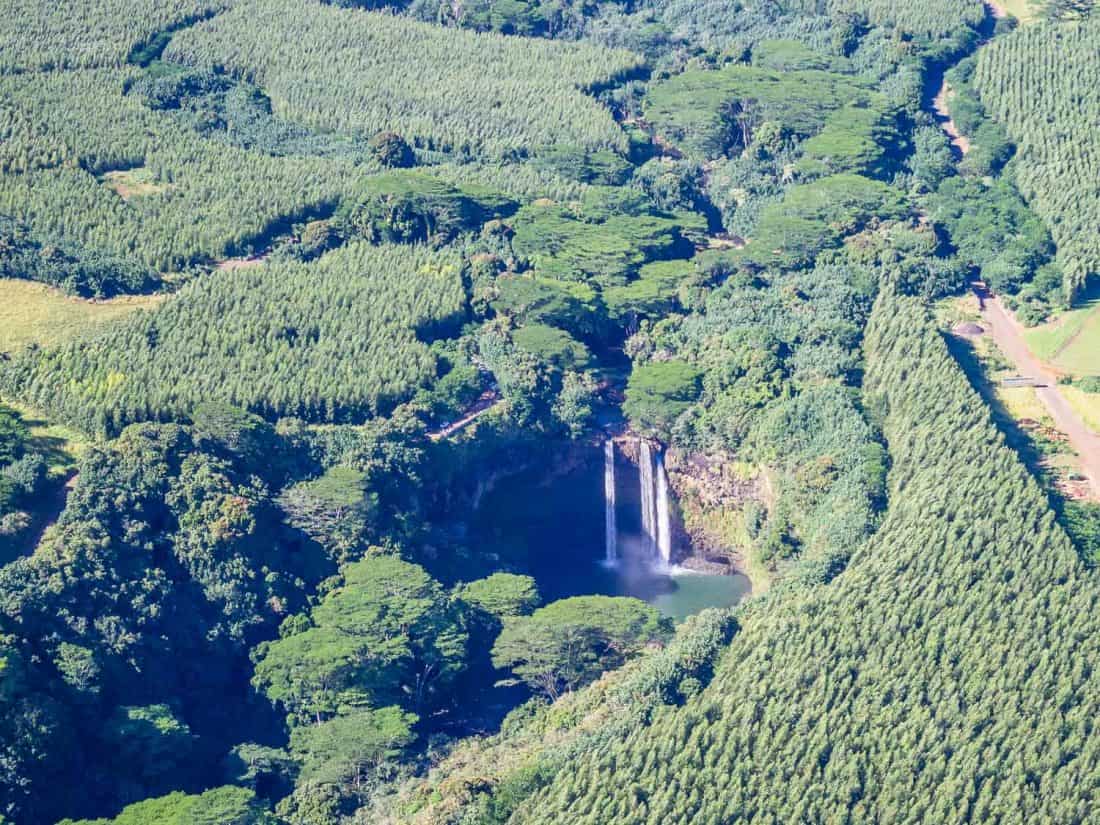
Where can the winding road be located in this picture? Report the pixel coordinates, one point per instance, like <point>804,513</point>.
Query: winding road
<point>939,102</point>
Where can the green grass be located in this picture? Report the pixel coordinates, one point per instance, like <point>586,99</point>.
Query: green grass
<point>1071,342</point>
<point>33,313</point>
<point>61,446</point>
<point>133,183</point>
<point>1085,404</point>
<point>1081,356</point>
<point>1026,11</point>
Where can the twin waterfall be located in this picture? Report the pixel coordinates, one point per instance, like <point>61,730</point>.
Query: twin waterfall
<point>611,532</point>
<point>656,526</point>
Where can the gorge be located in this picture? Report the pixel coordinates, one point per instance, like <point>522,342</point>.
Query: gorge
<point>609,526</point>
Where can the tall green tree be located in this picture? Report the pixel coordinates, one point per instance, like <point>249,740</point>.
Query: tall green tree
<point>389,634</point>
<point>570,642</point>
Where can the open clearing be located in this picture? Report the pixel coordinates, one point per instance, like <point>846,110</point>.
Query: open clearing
<point>133,183</point>
<point>1059,420</point>
<point>61,446</point>
<point>1008,335</point>
<point>1070,342</point>
<point>1026,11</point>
<point>33,313</point>
<point>1085,404</point>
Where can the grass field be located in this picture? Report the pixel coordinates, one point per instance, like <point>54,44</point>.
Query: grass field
<point>1026,11</point>
<point>32,313</point>
<point>1086,405</point>
<point>61,446</point>
<point>1071,342</point>
<point>133,183</point>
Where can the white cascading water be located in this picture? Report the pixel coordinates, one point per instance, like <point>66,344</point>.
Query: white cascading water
<point>611,536</point>
<point>664,527</point>
<point>649,511</point>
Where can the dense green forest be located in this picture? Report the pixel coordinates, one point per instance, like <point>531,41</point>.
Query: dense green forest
<point>333,340</point>
<point>942,677</point>
<point>317,537</point>
<point>1040,85</point>
<point>310,61</point>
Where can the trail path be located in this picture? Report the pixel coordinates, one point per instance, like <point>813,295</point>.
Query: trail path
<point>1009,338</point>
<point>939,105</point>
<point>939,102</point>
<point>486,402</point>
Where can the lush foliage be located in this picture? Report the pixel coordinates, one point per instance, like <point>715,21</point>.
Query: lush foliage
<point>37,35</point>
<point>387,635</point>
<point>570,642</point>
<point>221,806</point>
<point>77,271</point>
<point>22,476</point>
<point>303,588</point>
<point>169,560</point>
<point>411,206</point>
<point>1000,238</point>
<point>706,113</point>
<point>605,238</point>
<point>324,341</point>
<point>91,166</point>
<point>1041,82</point>
<point>730,752</point>
<point>500,95</point>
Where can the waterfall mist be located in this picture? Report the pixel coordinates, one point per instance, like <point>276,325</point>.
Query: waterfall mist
<point>652,543</point>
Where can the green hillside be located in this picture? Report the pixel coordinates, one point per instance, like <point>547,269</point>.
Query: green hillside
<point>513,412</point>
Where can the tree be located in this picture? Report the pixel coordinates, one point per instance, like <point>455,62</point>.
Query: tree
<point>389,634</point>
<point>13,435</point>
<point>392,150</point>
<point>270,772</point>
<point>334,510</point>
<point>932,161</point>
<point>242,434</point>
<point>552,346</point>
<point>227,805</point>
<point>501,595</point>
<point>153,744</point>
<point>572,641</point>
<point>658,392</point>
<point>347,749</point>
<point>78,668</point>
<point>574,403</point>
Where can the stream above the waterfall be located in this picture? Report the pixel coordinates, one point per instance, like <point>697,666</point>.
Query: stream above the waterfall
<point>555,529</point>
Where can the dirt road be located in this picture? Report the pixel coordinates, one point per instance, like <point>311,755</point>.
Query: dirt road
<point>939,106</point>
<point>487,400</point>
<point>939,102</point>
<point>1008,335</point>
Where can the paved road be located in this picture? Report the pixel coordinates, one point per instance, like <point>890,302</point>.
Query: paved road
<point>1009,338</point>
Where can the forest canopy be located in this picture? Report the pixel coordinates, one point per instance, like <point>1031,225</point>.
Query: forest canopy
<point>311,58</point>
<point>517,411</point>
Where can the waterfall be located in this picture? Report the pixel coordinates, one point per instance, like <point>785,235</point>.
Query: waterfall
<point>664,528</point>
<point>611,537</point>
<point>649,514</point>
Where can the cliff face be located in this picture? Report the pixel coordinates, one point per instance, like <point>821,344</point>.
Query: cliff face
<point>719,500</point>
